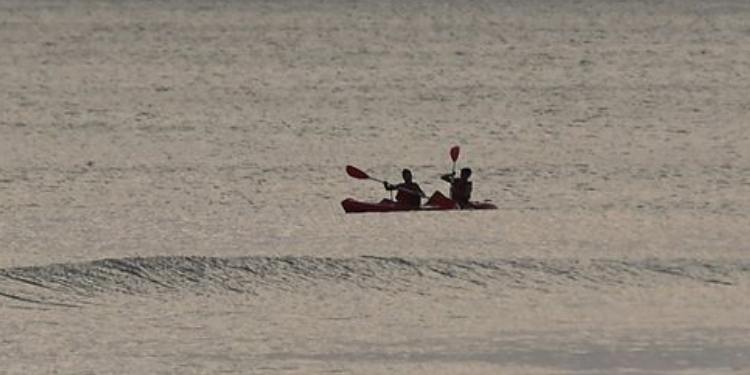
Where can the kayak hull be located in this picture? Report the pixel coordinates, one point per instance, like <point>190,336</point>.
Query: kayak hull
<point>437,202</point>
<point>354,206</point>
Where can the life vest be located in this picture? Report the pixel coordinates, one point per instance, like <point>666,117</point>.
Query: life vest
<point>407,198</point>
<point>461,191</point>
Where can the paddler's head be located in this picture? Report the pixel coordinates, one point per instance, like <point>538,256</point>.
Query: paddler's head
<point>465,173</point>
<point>407,175</point>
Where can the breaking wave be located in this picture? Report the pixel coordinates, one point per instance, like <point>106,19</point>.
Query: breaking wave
<point>80,283</point>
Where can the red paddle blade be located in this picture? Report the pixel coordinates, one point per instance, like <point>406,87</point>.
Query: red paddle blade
<point>356,172</point>
<point>455,150</point>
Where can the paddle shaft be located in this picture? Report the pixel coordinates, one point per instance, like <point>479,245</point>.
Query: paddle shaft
<point>359,174</point>
<point>405,190</point>
<point>381,181</point>
<point>455,151</point>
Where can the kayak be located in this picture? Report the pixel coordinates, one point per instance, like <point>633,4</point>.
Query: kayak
<point>437,202</point>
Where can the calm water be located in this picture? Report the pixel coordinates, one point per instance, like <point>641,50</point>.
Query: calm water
<point>171,174</point>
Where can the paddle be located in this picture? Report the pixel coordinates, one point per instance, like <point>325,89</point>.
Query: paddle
<point>455,150</point>
<point>361,175</point>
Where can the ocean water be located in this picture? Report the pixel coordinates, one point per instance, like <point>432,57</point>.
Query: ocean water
<point>171,175</point>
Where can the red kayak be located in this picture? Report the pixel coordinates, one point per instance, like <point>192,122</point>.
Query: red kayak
<point>437,202</point>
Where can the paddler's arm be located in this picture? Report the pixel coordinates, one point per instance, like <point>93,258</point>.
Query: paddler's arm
<point>400,187</point>
<point>448,177</point>
<point>419,190</point>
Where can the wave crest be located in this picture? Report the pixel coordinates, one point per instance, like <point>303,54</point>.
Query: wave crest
<point>79,283</point>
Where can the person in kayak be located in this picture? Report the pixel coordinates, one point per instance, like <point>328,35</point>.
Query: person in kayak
<point>460,187</point>
<point>409,192</point>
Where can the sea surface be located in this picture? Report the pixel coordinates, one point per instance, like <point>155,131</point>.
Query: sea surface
<point>171,175</point>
